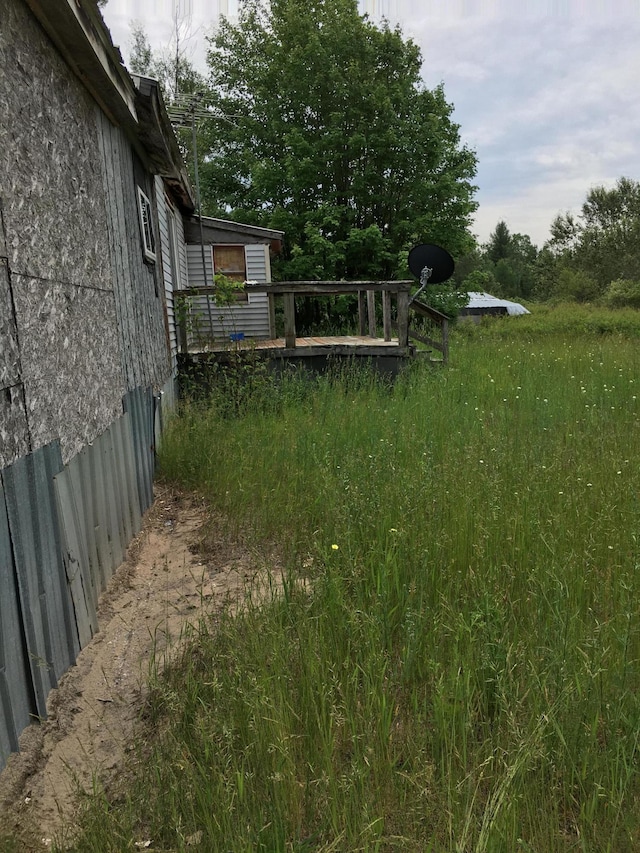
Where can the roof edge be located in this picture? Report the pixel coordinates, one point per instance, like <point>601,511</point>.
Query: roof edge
<point>79,32</point>
<point>243,228</point>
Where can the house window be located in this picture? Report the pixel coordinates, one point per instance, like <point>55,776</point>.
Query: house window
<point>231,262</point>
<point>145,212</point>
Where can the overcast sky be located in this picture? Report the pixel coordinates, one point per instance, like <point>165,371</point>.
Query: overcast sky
<point>547,92</point>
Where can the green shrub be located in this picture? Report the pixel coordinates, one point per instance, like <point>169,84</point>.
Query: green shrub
<point>622,293</point>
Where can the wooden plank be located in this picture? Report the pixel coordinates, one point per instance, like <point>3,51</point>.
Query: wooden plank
<point>424,340</point>
<point>371,313</point>
<point>309,288</point>
<point>290,320</point>
<point>386,315</point>
<point>422,308</point>
<point>272,316</point>
<point>344,349</point>
<point>362,312</point>
<point>403,319</point>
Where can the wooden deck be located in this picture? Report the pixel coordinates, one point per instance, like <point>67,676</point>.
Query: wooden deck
<point>386,353</point>
<point>308,346</point>
<point>314,353</point>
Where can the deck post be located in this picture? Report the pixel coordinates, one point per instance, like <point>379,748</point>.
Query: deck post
<point>272,315</point>
<point>386,314</point>
<point>403,318</point>
<point>371,311</point>
<point>362,313</point>
<point>289,300</point>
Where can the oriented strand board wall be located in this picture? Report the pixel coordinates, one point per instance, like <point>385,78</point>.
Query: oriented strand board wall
<point>65,380</point>
<point>137,284</point>
<point>84,319</point>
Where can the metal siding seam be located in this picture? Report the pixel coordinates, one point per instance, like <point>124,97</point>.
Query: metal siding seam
<point>102,552</point>
<point>103,530</point>
<point>47,610</point>
<point>74,558</point>
<point>138,404</point>
<point>118,490</point>
<point>130,472</point>
<point>113,525</point>
<point>90,516</point>
<point>16,698</point>
<point>81,493</point>
<point>123,481</point>
<point>147,435</point>
<point>129,403</point>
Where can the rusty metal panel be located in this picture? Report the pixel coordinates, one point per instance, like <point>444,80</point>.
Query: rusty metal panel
<point>47,610</point>
<point>141,406</point>
<point>16,699</point>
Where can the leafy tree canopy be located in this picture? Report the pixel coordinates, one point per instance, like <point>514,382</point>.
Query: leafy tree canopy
<point>326,130</point>
<point>604,241</point>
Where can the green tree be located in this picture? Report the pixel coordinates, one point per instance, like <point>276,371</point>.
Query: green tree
<point>326,130</point>
<point>511,261</point>
<point>499,244</point>
<point>603,242</point>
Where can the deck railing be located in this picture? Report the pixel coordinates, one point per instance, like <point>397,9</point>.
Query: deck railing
<point>438,321</point>
<point>366,292</point>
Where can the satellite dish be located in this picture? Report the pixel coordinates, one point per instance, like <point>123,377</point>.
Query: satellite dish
<point>434,258</point>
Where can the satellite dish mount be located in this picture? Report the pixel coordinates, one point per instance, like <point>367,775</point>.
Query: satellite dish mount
<point>430,264</point>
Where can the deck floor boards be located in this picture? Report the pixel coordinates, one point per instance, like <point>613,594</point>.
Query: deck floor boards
<point>354,341</point>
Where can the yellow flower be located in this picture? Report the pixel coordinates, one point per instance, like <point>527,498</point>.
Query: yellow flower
<point>334,547</point>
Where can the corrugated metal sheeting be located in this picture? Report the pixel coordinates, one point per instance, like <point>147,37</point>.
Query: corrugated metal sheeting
<point>63,531</point>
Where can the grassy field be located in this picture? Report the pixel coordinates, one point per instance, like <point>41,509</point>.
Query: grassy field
<point>461,672</point>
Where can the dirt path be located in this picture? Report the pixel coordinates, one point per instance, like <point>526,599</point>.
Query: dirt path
<point>172,574</point>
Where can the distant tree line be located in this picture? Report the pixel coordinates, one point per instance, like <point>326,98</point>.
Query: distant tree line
<point>592,256</point>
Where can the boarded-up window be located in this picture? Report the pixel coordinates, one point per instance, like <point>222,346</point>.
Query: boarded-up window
<point>231,262</point>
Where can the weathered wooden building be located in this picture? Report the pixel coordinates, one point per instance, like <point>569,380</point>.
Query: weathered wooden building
<point>93,192</point>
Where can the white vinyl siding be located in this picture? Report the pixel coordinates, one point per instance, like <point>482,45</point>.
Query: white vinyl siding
<point>250,318</point>
<point>171,232</point>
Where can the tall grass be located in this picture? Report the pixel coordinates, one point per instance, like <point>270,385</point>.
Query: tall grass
<point>461,673</point>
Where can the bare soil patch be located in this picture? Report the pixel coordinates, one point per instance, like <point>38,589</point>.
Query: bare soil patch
<point>177,569</point>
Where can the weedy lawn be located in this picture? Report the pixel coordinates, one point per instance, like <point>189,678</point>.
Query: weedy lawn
<point>461,672</point>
